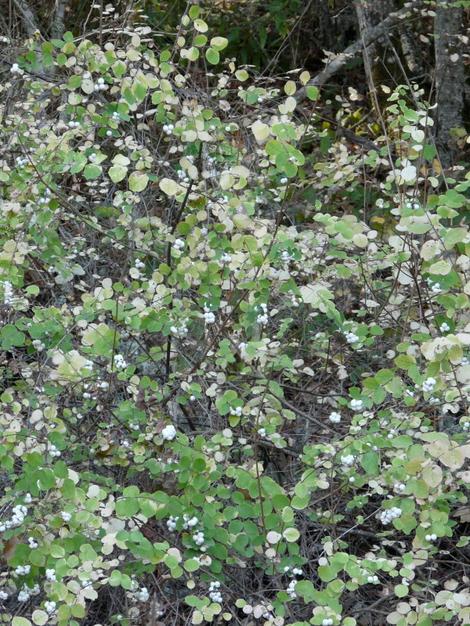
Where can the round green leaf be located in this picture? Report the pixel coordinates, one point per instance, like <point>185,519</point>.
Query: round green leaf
<point>219,43</point>
<point>117,173</point>
<point>138,181</point>
<point>212,56</point>
<point>291,534</point>
<point>92,171</point>
<point>40,617</point>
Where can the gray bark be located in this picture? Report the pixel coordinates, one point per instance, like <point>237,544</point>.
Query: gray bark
<point>369,36</point>
<point>28,17</point>
<point>449,77</point>
<point>58,19</point>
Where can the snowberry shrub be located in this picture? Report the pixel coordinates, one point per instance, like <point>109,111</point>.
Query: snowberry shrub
<point>209,413</point>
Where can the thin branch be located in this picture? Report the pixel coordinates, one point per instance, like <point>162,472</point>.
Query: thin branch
<point>355,48</point>
<point>29,19</point>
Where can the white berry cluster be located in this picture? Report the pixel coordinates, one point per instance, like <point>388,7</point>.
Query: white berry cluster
<point>50,606</point>
<point>351,337</point>
<point>373,580</point>
<point>20,161</point>
<point>142,594</point>
<point>214,593</point>
<point>171,523</point>
<point>226,257</point>
<point>18,515</point>
<point>291,589</point>
<point>387,516</point>
<point>435,287</point>
<point>334,417</point>
<point>263,315</point>
<point>199,539</point>
<point>16,69</point>
<point>46,198</point>
<point>66,516</point>
<point>189,522</point>
<point>237,411</point>
<point>100,85</point>
<point>119,362</point>
<point>33,544</point>
<point>26,592</point>
<point>178,245</point>
<point>74,124</point>
<point>209,317</point>
<point>4,595</point>
<point>327,621</point>
<point>182,176</point>
<point>179,331</point>
<point>38,345</point>
<point>8,297</point>
<point>348,460</point>
<point>168,129</point>
<point>50,575</point>
<point>412,205</point>
<point>293,571</point>
<point>356,405</point>
<point>286,257</point>
<point>431,537</point>
<point>169,432</point>
<point>429,384</point>
<point>444,327</point>
<point>53,451</point>
<point>399,487</point>
<point>23,570</point>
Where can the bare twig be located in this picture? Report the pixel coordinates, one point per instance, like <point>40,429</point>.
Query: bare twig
<point>371,35</point>
<point>29,20</point>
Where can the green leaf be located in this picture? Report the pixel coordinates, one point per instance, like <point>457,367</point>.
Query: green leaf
<point>127,507</point>
<point>212,56</point>
<point>117,173</point>
<point>138,181</point>
<point>92,171</point>
<point>219,43</point>
<point>306,590</point>
<point>370,463</point>
<point>312,92</point>
<point>11,337</point>
<point>401,591</point>
<point>200,25</point>
<point>40,617</point>
<point>191,565</point>
<point>291,534</point>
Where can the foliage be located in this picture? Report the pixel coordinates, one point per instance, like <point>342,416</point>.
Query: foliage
<point>209,412</point>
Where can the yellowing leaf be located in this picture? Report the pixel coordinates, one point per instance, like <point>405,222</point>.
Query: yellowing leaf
<point>40,617</point>
<point>200,25</point>
<point>117,173</point>
<point>260,130</point>
<point>138,181</point>
<point>440,267</point>
<point>170,187</point>
<point>219,43</point>
<point>290,88</point>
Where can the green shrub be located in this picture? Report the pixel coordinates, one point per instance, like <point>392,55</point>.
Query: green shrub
<point>208,413</point>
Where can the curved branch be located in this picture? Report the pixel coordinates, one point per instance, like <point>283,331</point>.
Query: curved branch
<point>28,17</point>
<point>369,36</point>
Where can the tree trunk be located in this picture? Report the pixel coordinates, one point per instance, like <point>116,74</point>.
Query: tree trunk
<point>449,77</point>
